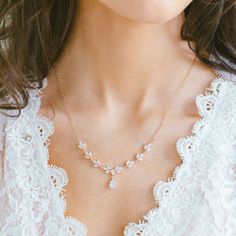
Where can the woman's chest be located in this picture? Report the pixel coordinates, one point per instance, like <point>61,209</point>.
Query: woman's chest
<point>198,199</point>
<point>195,194</point>
<point>107,211</point>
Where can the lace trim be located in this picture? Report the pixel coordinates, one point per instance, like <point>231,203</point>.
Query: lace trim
<point>59,177</point>
<point>205,104</point>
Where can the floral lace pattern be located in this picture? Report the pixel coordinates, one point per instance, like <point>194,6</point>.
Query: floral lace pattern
<point>200,198</point>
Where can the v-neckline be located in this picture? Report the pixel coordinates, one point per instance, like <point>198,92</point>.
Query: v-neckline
<point>158,190</point>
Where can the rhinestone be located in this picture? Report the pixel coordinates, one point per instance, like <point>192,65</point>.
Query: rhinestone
<point>82,145</point>
<point>129,163</point>
<point>96,163</point>
<point>107,169</point>
<point>140,156</point>
<point>88,155</point>
<point>113,171</point>
<point>148,147</point>
<point>112,184</point>
<point>118,169</point>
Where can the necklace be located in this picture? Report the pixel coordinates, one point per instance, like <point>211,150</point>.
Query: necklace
<point>138,157</point>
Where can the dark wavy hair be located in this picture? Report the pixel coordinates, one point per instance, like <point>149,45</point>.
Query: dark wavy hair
<point>33,34</point>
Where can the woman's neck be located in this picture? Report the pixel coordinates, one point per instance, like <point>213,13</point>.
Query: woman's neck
<point>122,60</point>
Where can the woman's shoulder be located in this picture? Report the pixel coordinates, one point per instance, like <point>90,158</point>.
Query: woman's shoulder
<point>228,79</point>
<point>225,85</point>
<point>228,76</point>
<point>14,122</point>
<point>3,120</point>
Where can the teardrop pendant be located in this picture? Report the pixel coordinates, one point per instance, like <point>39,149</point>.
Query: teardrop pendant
<point>112,184</point>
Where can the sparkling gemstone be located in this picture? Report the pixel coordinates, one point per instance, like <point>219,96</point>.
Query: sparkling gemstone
<point>118,169</point>
<point>88,155</point>
<point>112,184</point>
<point>113,171</point>
<point>129,163</point>
<point>82,145</point>
<point>140,156</point>
<point>96,163</point>
<point>148,147</point>
<point>107,169</point>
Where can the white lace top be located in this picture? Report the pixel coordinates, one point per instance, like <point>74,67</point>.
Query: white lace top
<point>199,200</point>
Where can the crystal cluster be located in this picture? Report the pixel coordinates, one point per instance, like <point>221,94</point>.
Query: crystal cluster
<point>113,170</point>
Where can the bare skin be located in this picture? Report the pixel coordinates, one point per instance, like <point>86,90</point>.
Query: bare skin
<point>118,72</point>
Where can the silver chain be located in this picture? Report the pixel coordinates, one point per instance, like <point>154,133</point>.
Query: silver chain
<point>140,156</point>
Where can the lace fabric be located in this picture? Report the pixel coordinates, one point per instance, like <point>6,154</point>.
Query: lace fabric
<point>199,199</point>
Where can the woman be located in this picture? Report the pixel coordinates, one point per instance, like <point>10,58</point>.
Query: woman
<point>115,112</point>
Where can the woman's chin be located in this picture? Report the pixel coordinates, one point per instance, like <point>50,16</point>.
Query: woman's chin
<point>147,11</point>
<point>150,19</point>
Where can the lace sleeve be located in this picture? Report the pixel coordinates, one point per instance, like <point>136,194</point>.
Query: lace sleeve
<point>3,119</point>
<point>2,135</point>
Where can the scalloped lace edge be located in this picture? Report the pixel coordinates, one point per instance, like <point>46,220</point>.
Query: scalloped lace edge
<point>172,180</point>
<point>61,193</point>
